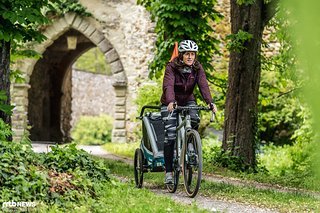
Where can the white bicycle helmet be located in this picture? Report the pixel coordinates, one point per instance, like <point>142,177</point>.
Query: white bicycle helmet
<point>187,45</point>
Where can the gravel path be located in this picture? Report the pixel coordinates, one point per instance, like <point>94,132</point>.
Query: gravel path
<point>210,204</point>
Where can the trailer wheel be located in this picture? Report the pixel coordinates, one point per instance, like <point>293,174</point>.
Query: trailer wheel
<point>138,167</point>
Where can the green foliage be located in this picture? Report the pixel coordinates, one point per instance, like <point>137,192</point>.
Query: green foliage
<point>63,175</point>
<point>7,109</point>
<point>5,130</point>
<point>93,130</point>
<point>149,94</point>
<point>294,161</point>
<point>210,148</point>
<point>20,20</point>
<point>306,34</point>
<point>62,7</point>
<point>122,149</point>
<point>93,61</point>
<point>21,175</point>
<point>215,155</point>
<point>236,41</point>
<point>173,24</point>
<point>282,110</point>
<point>280,117</point>
<point>245,2</point>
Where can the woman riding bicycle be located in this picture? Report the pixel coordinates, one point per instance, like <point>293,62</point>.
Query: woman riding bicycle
<point>181,76</point>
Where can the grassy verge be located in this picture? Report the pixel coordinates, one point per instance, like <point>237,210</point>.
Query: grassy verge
<point>283,202</point>
<point>119,197</point>
<point>288,181</point>
<point>122,149</point>
<point>128,149</point>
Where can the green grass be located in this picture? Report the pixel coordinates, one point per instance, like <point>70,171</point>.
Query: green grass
<point>122,149</point>
<point>291,181</point>
<point>283,202</point>
<point>309,183</point>
<point>120,197</point>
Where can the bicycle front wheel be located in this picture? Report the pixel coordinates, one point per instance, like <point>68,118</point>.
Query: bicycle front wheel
<point>192,163</point>
<point>172,188</point>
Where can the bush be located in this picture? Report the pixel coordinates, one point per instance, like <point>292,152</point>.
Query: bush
<point>149,94</point>
<point>287,160</point>
<point>92,130</point>
<point>210,148</point>
<point>292,159</point>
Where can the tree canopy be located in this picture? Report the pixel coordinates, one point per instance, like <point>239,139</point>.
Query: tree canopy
<point>179,20</point>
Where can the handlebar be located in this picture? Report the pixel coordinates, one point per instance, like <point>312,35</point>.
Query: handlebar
<point>182,108</point>
<point>147,107</point>
<point>179,108</point>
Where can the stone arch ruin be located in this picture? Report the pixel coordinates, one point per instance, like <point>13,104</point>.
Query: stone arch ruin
<point>38,101</point>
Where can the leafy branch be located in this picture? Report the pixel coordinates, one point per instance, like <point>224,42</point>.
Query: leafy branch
<point>178,20</point>
<point>237,41</point>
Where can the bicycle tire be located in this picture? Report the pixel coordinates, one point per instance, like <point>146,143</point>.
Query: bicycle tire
<point>192,163</point>
<point>138,167</point>
<point>172,188</point>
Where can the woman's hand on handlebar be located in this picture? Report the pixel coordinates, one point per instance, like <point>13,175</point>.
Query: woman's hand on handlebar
<point>213,107</point>
<point>172,106</point>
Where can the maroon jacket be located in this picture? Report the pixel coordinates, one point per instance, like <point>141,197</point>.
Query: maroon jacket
<point>176,87</point>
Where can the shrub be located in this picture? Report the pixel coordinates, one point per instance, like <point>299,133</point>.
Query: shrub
<point>287,160</point>
<point>292,159</point>
<point>149,94</point>
<point>210,148</point>
<point>92,130</point>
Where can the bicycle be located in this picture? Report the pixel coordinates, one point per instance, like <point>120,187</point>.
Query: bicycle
<point>149,156</point>
<point>188,152</point>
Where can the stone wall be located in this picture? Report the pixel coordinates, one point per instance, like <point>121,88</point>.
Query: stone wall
<point>129,28</point>
<point>92,94</point>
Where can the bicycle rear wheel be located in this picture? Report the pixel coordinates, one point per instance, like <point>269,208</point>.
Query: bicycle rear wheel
<point>192,163</point>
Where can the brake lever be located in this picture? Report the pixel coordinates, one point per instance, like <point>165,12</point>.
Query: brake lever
<point>213,117</point>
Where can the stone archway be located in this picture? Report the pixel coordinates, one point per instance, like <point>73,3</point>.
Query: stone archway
<point>86,27</point>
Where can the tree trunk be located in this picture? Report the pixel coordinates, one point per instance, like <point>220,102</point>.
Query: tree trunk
<point>243,84</point>
<point>5,76</point>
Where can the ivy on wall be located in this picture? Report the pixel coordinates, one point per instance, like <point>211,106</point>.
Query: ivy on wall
<point>61,7</point>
